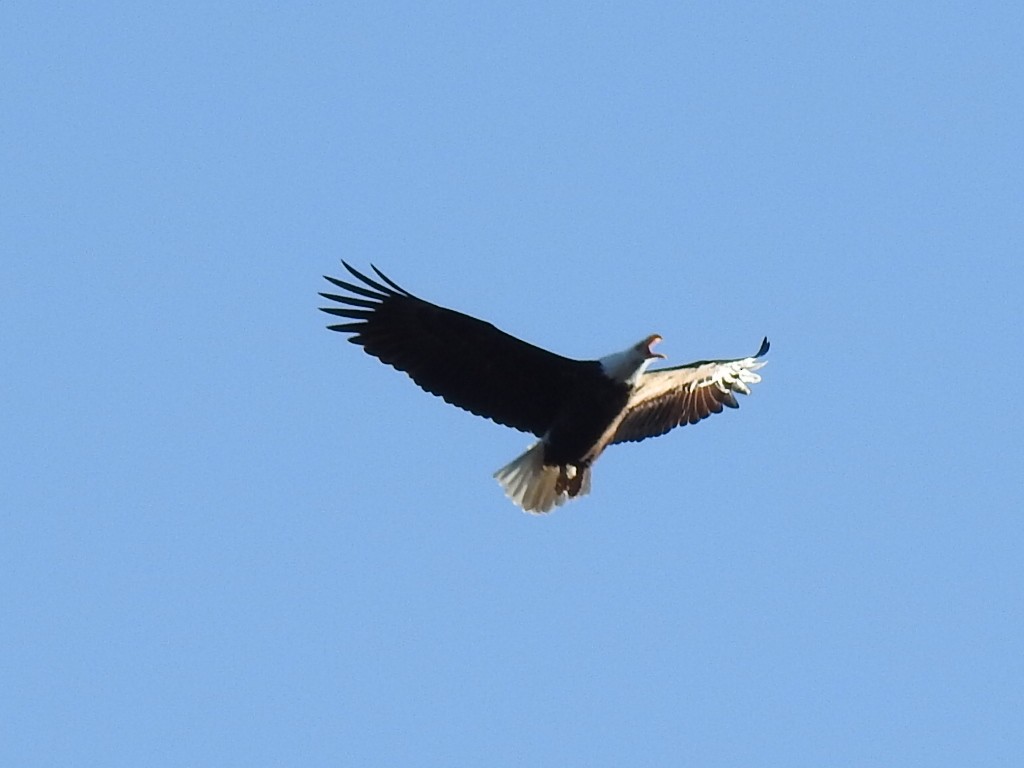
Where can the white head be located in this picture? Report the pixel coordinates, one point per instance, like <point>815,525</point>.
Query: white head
<point>628,366</point>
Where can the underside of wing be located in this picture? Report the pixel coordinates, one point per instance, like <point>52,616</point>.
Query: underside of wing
<point>671,397</point>
<point>466,361</point>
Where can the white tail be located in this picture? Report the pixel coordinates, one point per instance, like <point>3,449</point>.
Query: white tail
<point>536,487</point>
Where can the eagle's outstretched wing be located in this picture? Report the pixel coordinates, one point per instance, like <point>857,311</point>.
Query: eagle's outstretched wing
<point>671,397</point>
<point>466,361</point>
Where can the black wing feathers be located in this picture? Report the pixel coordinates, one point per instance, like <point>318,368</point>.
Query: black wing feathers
<point>466,361</point>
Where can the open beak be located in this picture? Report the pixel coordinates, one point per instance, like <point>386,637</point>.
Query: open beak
<point>650,342</point>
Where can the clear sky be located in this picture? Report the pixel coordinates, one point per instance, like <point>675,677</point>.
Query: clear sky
<point>229,538</point>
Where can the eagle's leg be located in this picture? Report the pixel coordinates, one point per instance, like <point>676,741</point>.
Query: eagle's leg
<point>573,479</point>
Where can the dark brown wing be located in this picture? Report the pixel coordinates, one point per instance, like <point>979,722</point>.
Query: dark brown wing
<point>466,361</point>
<point>671,397</point>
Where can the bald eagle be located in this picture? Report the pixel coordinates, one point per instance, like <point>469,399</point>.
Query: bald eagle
<point>576,407</point>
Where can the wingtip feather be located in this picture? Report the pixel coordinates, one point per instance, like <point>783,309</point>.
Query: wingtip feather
<point>387,291</point>
<point>389,281</point>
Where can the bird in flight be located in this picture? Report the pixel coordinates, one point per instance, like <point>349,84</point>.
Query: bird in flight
<point>576,408</point>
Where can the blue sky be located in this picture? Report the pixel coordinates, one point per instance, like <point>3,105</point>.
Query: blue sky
<point>230,538</point>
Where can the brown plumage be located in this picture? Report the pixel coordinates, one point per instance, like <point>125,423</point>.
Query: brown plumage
<point>672,397</point>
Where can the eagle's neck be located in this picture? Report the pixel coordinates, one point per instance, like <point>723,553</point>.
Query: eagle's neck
<point>627,366</point>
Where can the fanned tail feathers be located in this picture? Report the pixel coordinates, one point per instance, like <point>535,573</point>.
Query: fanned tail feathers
<point>537,487</point>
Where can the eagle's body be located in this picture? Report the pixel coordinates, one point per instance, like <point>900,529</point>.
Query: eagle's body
<point>576,407</point>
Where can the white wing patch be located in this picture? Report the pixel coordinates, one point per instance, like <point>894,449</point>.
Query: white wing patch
<point>734,376</point>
